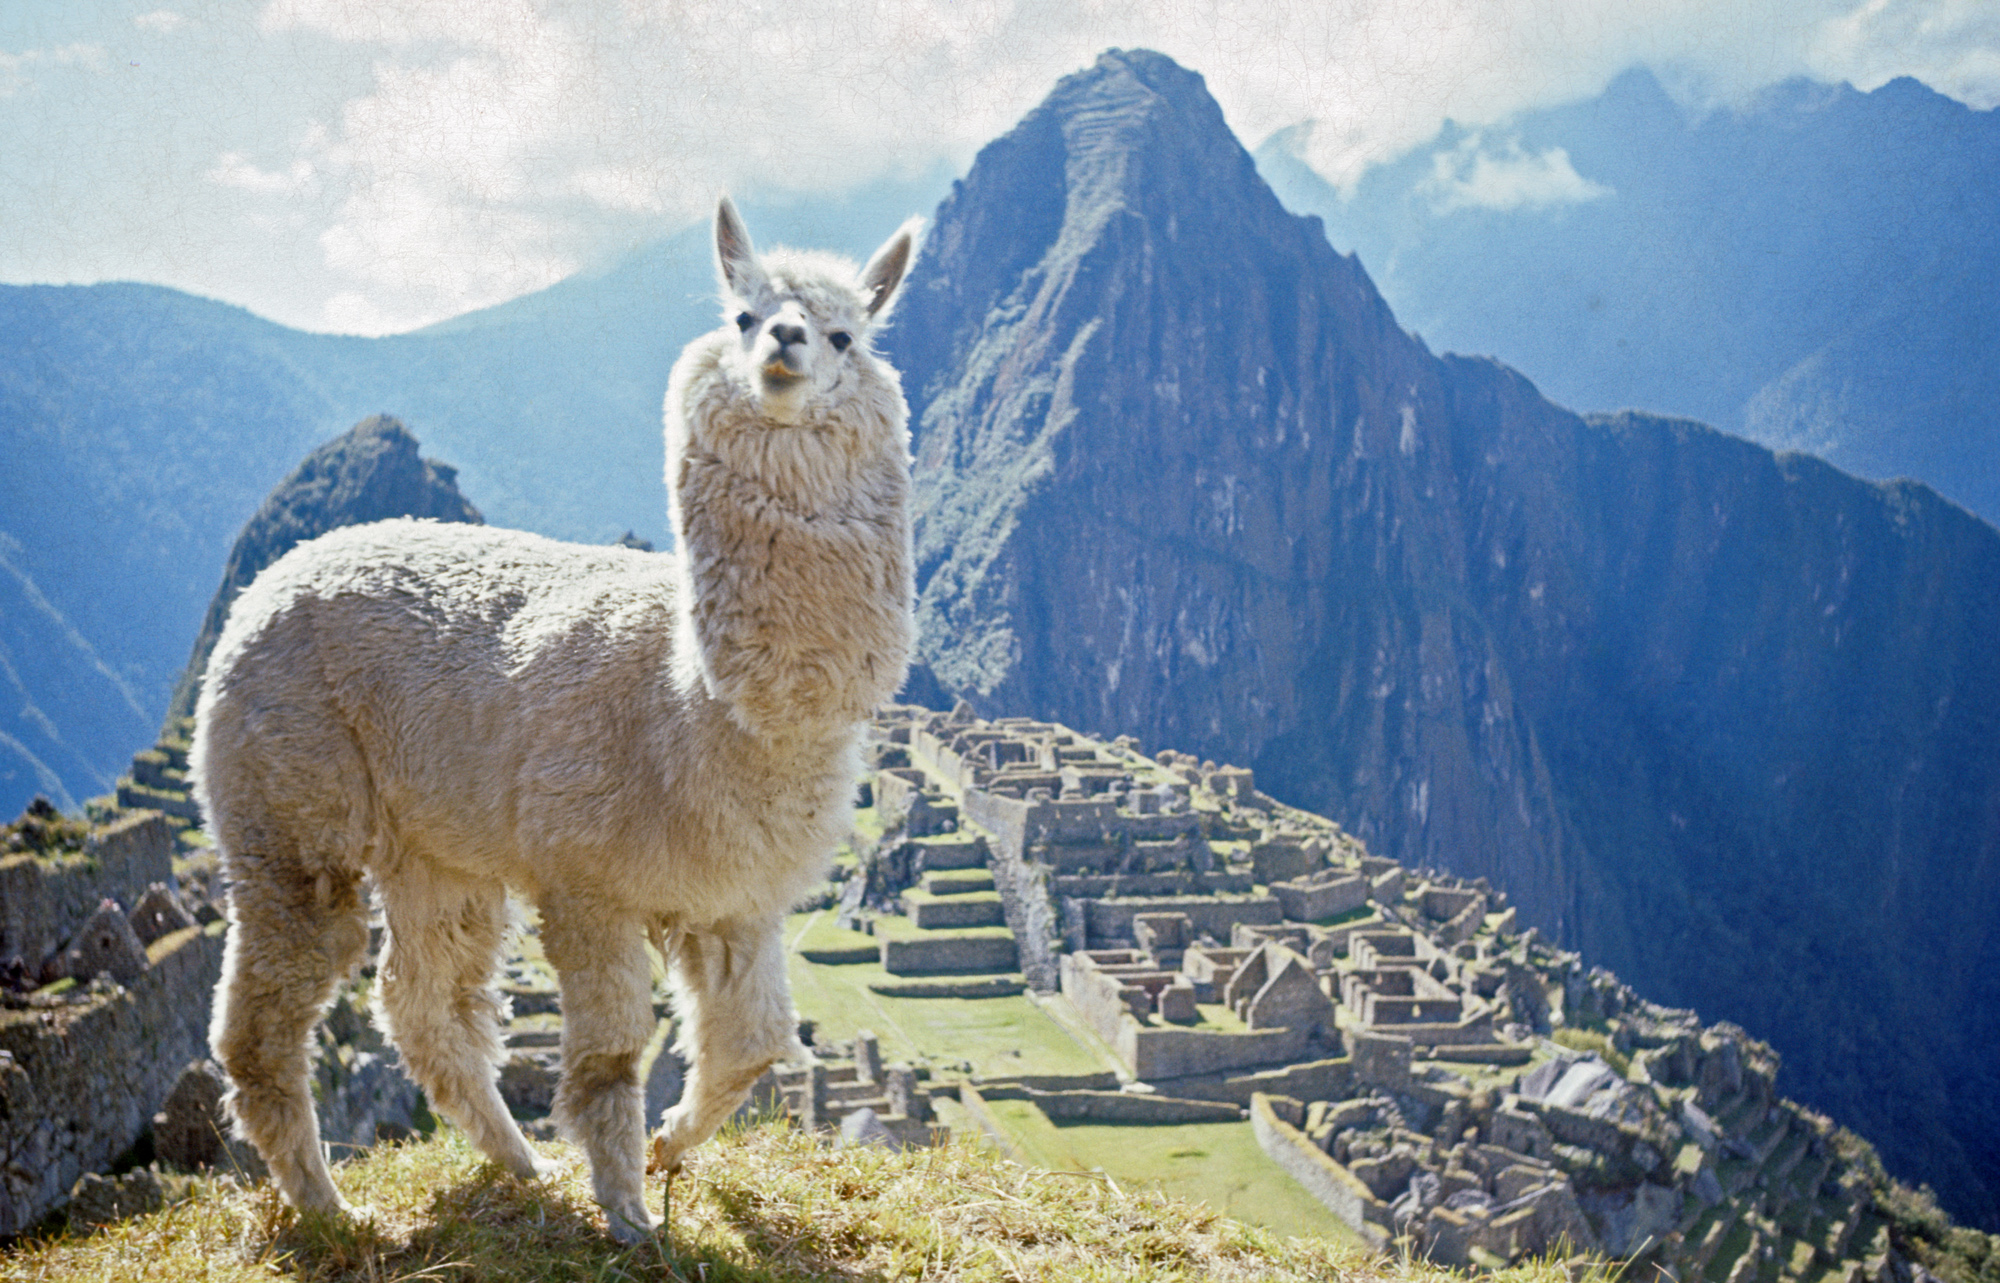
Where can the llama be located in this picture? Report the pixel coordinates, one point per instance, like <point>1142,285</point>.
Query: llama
<point>646,746</point>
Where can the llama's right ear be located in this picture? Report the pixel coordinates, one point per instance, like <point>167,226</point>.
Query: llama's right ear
<point>735,261</point>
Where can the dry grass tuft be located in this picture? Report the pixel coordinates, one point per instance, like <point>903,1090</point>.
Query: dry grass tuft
<point>761,1205</point>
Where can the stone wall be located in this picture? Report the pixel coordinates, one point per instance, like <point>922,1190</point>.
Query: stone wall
<point>1030,913</point>
<point>1333,1185</point>
<point>1154,1054</point>
<point>1116,1106</point>
<point>1330,1079</point>
<point>44,899</point>
<point>1108,920</point>
<point>80,1081</point>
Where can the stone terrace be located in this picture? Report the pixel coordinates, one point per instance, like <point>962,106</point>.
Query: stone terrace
<point>1436,1077</point>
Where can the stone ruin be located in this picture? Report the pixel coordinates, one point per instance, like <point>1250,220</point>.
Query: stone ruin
<point>1446,1083</point>
<point>848,1093</point>
<point>1392,1035</point>
<point>111,937</point>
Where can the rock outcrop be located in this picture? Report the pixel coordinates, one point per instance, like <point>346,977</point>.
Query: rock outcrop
<point>372,472</point>
<point>1719,718</point>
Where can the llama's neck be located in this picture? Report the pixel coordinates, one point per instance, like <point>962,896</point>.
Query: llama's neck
<point>796,578</point>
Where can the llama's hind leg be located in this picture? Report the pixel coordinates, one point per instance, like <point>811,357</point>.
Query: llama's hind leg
<point>734,1004</point>
<point>290,941</point>
<point>607,1019</point>
<point>438,1005</point>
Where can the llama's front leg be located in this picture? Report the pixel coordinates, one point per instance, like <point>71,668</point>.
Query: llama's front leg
<point>734,1005</point>
<point>607,1018</point>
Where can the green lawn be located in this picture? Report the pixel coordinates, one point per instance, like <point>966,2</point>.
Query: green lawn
<point>1356,914</point>
<point>996,1036</point>
<point>1219,1164</point>
<point>898,928</point>
<point>816,932</point>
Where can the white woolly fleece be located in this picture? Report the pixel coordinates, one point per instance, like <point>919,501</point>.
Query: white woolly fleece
<point>638,742</point>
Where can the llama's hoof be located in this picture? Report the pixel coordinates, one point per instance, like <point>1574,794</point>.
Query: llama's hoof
<point>530,1166</point>
<point>339,1209</point>
<point>362,1214</point>
<point>630,1225</point>
<point>662,1156</point>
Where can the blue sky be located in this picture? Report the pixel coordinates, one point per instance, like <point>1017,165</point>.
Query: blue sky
<point>369,166</point>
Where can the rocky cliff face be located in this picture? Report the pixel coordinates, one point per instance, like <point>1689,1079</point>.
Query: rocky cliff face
<point>371,472</point>
<point>1723,720</point>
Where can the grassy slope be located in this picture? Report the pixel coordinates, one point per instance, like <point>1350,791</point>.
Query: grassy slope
<point>1216,1164</point>
<point>995,1036</point>
<point>766,1203</point>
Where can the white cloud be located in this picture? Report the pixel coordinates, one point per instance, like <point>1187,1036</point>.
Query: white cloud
<point>232,169</point>
<point>430,156</point>
<point>15,67</point>
<point>1474,175</point>
<point>1951,45</point>
<point>160,20</point>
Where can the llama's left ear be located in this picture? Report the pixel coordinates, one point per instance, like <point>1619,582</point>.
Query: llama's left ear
<point>885,271</point>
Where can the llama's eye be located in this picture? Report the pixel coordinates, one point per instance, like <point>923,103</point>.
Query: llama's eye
<point>744,321</point>
<point>840,339</point>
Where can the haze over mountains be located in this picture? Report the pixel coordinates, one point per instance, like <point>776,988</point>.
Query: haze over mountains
<point>1723,720</point>
<point>1813,270</point>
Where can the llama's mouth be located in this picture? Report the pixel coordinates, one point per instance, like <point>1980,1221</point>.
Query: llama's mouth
<point>778,375</point>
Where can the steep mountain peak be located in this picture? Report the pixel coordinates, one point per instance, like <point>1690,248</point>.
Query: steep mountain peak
<point>1179,472</point>
<point>371,472</point>
<point>1112,285</point>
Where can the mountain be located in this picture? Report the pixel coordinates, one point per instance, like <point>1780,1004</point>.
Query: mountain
<point>371,472</point>
<point>138,427</point>
<point>1722,719</point>
<point>141,427</point>
<point>1812,269</point>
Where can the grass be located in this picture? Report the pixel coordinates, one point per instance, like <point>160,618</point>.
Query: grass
<point>816,935</point>
<point>1591,1040</point>
<point>919,895</point>
<point>897,928</point>
<point>764,1205</point>
<point>867,824</point>
<point>1356,914</point>
<point>1219,1165</point>
<point>993,1036</point>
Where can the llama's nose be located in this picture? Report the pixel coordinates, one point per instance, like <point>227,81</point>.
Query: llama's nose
<point>788,334</point>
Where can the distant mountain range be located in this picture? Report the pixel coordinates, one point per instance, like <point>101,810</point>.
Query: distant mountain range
<point>140,428</point>
<point>1814,270</point>
<point>1724,720</point>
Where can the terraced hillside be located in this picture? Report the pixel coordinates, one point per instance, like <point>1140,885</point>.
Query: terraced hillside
<point>1098,960</point>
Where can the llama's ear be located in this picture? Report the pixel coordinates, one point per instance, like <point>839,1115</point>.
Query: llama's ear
<point>885,271</point>
<point>735,260</point>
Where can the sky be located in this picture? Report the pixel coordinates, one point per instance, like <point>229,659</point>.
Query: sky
<point>372,166</point>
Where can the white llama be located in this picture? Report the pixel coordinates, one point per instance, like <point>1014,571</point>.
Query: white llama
<point>643,745</point>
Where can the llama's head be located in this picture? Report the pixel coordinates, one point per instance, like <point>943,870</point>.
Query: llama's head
<point>802,320</point>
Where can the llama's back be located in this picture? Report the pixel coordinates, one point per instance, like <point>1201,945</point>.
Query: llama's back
<point>429,673</point>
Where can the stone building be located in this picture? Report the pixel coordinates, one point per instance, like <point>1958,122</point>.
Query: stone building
<point>1436,1077</point>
